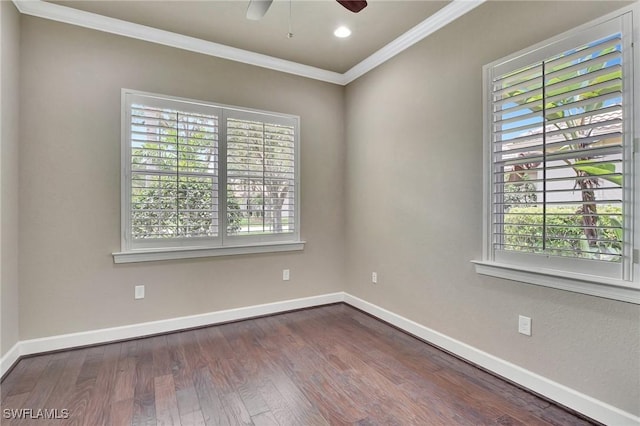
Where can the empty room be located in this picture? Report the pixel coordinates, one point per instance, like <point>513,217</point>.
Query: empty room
<point>319,212</point>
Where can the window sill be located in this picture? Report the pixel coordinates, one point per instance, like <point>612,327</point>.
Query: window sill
<point>150,255</point>
<point>579,283</point>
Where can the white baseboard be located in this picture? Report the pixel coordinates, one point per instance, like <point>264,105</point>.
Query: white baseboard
<point>10,358</point>
<point>65,341</point>
<point>564,395</point>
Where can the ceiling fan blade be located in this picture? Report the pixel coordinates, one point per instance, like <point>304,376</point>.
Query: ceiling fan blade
<point>257,9</point>
<point>353,5</point>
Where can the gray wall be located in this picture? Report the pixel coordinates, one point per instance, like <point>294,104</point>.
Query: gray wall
<point>70,183</point>
<point>10,40</point>
<point>414,208</point>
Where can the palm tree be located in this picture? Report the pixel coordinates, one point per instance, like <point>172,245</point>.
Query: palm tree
<point>577,96</point>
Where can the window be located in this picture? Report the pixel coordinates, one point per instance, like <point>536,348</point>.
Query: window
<point>559,167</point>
<point>202,179</point>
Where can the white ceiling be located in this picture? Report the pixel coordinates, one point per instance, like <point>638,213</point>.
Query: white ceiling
<point>312,23</point>
<point>219,28</point>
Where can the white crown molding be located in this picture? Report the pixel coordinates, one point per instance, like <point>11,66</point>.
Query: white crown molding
<point>441,18</point>
<point>94,21</point>
<point>72,16</point>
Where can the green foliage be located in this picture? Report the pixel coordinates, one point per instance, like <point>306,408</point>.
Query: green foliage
<point>155,214</point>
<point>523,228</point>
<point>234,215</point>
<point>519,193</point>
<point>598,170</point>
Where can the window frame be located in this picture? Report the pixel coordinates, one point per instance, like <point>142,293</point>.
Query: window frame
<point>548,270</point>
<point>222,244</point>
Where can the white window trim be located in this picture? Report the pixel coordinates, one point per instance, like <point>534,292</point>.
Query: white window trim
<point>196,252</point>
<point>617,289</point>
<point>186,249</point>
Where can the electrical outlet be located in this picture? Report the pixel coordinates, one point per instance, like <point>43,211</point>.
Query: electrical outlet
<point>285,275</point>
<point>524,325</point>
<point>139,292</point>
<point>374,277</point>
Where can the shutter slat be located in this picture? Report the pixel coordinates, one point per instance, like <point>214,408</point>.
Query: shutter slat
<point>499,121</point>
<point>588,104</point>
<point>595,116</point>
<point>536,158</point>
<point>614,85</point>
<point>590,63</point>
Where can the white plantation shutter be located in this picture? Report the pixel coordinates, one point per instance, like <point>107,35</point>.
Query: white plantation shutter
<point>174,171</point>
<point>261,175</point>
<point>179,154</point>
<point>560,147</point>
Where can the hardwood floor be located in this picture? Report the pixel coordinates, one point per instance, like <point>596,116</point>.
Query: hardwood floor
<point>328,365</point>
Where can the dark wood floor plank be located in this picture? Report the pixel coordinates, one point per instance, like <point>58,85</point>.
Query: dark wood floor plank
<point>210,402</point>
<point>231,401</point>
<point>121,411</point>
<point>188,404</point>
<point>166,401</point>
<point>79,400</point>
<point>98,407</point>
<point>252,399</point>
<point>285,411</point>
<point>248,368</point>
<point>244,374</point>
<point>324,383</point>
<point>25,375</point>
<point>61,393</point>
<point>91,364</point>
<point>328,365</point>
<point>264,419</point>
<point>161,356</point>
<point>12,403</point>
<point>189,407</point>
<point>126,375</point>
<point>280,340</point>
<point>468,394</point>
<point>389,398</point>
<point>242,337</point>
<point>196,358</point>
<point>47,381</point>
<point>144,412</point>
<point>178,360</point>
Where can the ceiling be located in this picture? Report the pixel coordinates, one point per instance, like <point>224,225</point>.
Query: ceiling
<point>312,25</point>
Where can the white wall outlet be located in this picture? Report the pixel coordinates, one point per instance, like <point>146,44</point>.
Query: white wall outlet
<point>374,277</point>
<point>285,275</point>
<point>524,325</point>
<point>139,292</point>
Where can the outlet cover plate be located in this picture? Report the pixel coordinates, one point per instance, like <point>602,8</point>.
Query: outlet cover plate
<point>139,292</point>
<point>524,325</point>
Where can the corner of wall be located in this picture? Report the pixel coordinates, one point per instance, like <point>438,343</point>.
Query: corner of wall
<point>9,88</point>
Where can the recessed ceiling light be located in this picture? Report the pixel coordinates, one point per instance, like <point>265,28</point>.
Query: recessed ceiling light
<point>342,32</point>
